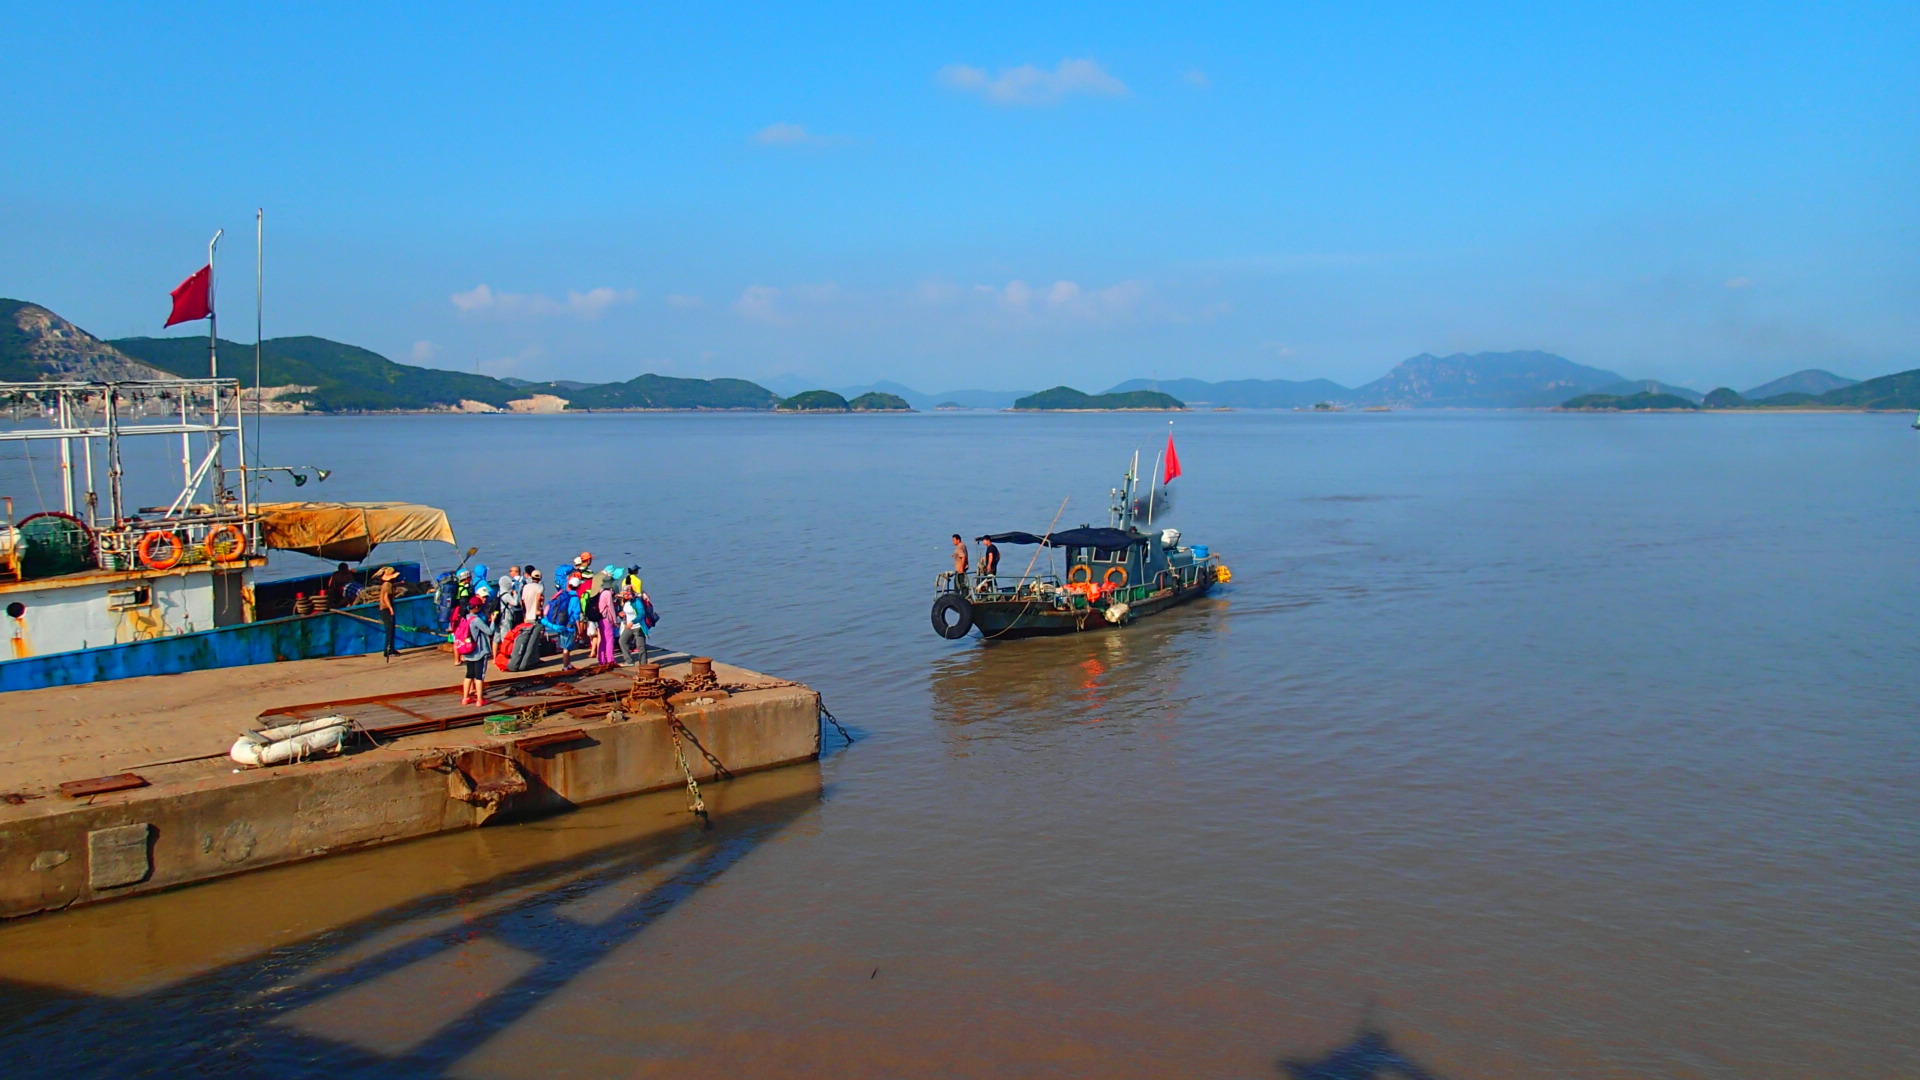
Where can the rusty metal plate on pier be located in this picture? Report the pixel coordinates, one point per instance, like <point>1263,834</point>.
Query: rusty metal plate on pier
<point>550,739</point>
<point>100,785</point>
<point>411,712</point>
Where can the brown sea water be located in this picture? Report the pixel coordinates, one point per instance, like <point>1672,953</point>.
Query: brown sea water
<point>1542,745</point>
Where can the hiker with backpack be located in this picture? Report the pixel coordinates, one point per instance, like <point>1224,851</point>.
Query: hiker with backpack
<point>509,595</point>
<point>633,629</point>
<point>562,618</point>
<point>608,604</point>
<point>473,645</point>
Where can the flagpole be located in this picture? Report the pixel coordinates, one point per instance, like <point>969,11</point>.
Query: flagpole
<point>213,315</point>
<point>259,306</point>
<point>213,363</point>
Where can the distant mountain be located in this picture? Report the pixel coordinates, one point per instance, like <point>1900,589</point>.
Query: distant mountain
<point>1513,380</point>
<point>1811,381</point>
<point>1648,386</point>
<point>972,399</point>
<point>1067,399</point>
<point>1640,402</point>
<point>977,399</point>
<point>1901,391</point>
<point>36,344</point>
<point>914,398</point>
<point>1723,397</point>
<point>563,384</point>
<point>1243,393</point>
<point>661,392</point>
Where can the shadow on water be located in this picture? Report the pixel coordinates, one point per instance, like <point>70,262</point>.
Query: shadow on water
<point>1369,1055</point>
<point>406,991</point>
<point>1033,685</point>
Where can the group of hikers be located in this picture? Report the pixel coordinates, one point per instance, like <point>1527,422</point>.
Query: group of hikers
<point>520,617</point>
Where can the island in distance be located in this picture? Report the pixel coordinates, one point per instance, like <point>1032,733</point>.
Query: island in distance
<point>826,401</point>
<point>1067,399</point>
<point>314,374</point>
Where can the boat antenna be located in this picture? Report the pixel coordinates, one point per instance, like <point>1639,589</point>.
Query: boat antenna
<point>1048,535</point>
<point>1153,482</point>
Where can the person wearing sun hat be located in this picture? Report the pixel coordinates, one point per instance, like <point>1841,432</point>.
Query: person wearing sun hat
<point>479,641</point>
<point>389,580</point>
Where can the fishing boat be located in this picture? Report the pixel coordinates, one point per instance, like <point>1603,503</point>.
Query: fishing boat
<point>100,589</point>
<point>1113,575</point>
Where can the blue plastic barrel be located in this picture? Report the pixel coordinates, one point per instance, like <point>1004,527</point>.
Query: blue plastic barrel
<point>1199,551</point>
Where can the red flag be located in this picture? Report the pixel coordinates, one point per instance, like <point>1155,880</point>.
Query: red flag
<point>1172,468</point>
<point>193,298</point>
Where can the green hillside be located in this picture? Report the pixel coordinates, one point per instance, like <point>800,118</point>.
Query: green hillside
<point>1641,402</point>
<point>815,401</point>
<point>15,363</point>
<point>1901,391</point>
<point>345,378</point>
<point>661,392</point>
<point>1062,398</point>
<point>875,401</point>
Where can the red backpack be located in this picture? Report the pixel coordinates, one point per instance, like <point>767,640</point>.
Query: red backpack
<point>503,652</point>
<point>462,641</point>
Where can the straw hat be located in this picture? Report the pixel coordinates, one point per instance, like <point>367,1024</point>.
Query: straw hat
<point>386,573</point>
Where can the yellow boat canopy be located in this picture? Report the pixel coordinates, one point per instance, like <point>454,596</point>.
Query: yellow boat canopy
<point>348,531</point>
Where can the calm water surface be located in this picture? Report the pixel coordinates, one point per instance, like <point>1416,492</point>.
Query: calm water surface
<point>1545,745</point>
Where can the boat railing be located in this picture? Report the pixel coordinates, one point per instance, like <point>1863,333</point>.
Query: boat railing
<point>997,587</point>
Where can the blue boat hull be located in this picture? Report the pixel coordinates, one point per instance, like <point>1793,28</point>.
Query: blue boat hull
<point>300,637</point>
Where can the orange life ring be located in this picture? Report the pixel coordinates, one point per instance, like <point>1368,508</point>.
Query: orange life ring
<point>178,550</point>
<point>1079,568</point>
<point>1107,578</point>
<point>239,543</point>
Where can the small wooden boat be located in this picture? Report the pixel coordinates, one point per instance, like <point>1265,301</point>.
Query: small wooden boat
<point>1114,575</point>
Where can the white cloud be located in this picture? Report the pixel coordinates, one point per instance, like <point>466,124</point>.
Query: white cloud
<point>1029,85</point>
<point>1068,299</point>
<point>423,351</point>
<point>481,300</point>
<point>757,302</point>
<point>1197,79</point>
<point>795,135</point>
<point>682,300</point>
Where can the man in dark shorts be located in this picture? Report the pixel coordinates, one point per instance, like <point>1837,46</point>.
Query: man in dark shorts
<point>389,580</point>
<point>989,566</point>
<point>959,564</point>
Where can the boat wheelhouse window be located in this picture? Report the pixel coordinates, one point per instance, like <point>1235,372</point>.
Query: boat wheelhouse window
<point>122,599</point>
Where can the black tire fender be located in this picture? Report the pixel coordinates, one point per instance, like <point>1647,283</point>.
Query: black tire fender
<point>959,605</point>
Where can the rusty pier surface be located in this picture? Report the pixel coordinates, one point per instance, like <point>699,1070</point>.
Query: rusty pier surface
<point>121,788</point>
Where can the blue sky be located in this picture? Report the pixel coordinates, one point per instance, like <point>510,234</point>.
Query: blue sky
<point>986,196</point>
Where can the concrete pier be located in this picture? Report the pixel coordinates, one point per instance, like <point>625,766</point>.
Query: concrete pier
<point>200,817</point>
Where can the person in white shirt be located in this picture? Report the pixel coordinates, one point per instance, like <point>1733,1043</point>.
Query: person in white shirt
<point>531,595</point>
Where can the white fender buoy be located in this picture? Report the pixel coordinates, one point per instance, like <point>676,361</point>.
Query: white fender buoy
<point>1116,613</point>
<point>290,742</point>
